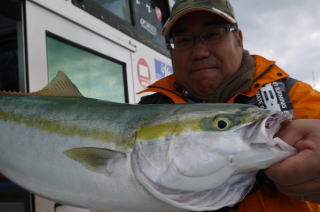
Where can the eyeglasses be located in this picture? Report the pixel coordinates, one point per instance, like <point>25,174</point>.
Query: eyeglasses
<point>210,37</point>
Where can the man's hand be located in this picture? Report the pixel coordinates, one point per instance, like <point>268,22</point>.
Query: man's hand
<point>299,175</point>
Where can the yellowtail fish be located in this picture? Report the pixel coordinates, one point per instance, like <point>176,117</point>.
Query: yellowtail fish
<point>119,157</point>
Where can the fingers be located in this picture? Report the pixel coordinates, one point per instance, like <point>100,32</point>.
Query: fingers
<point>291,132</point>
<point>296,169</point>
<point>299,175</point>
<point>304,135</point>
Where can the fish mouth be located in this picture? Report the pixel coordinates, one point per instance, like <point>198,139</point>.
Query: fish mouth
<point>267,128</point>
<point>273,123</point>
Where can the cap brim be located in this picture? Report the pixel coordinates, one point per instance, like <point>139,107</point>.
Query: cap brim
<point>168,25</point>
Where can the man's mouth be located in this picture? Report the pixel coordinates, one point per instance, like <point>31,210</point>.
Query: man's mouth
<point>207,68</point>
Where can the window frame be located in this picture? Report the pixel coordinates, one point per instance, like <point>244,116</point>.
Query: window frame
<point>99,37</point>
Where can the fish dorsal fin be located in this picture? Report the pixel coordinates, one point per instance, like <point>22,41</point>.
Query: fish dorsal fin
<point>61,85</point>
<point>95,159</point>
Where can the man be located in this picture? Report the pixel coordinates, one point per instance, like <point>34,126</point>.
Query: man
<point>211,65</point>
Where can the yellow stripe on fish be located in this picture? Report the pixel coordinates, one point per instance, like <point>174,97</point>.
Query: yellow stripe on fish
<point>64,129</point>
<point>164,129</point>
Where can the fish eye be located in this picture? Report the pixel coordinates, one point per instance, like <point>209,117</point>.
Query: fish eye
<point>221,123</point>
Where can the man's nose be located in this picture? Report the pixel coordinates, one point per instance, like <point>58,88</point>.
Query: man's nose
<point>200,49</point>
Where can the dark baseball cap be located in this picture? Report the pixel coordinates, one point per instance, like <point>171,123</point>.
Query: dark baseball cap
<point>221,8</point>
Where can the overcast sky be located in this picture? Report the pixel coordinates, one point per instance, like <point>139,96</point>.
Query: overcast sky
<point>287,31</point>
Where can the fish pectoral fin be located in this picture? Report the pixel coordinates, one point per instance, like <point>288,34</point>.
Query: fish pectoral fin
<point>96,159</point>
<point>61,85</point>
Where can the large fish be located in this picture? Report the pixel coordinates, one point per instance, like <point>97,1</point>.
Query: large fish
<point>120,157</point>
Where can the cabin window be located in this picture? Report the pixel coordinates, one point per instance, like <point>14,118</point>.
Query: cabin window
<point>120,8</point>
<point>95,75</point>
<point>140,19</point>
<point>150,16</point>
<point>11,50</point>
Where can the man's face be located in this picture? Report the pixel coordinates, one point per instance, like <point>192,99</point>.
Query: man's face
<point>202,68</point>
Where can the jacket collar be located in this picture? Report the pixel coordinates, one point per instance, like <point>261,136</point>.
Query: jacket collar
<point>266,72</point>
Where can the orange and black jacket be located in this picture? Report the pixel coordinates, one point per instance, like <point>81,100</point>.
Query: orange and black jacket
<point>294,96</point>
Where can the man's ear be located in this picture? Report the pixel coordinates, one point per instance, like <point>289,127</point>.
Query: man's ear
<point>170,51</point>
<point>239,38</point>
<point>171,56</point>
